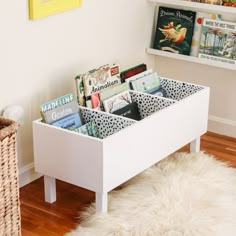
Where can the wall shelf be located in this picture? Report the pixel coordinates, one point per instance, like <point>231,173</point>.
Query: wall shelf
<point>190,59</point>
<point>197,6</point>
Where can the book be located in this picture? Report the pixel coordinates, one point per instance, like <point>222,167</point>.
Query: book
<point>89,128</point>
<point>56,102</point>
<point>92,129</point>
<point>174,30</point>
<point>218,41</point>
<point>80,90</point>
<point>69,122</point>
<point>215,2</point>
<point>95,100</point>
<point>61,111</point>
<point>130,111</point>
<point>98,79</point>
<point>132,71</point>
<point>198,29</point>
<point>140,75</point>
<point>147,84</point>
<point>111,91</point>
<point>117,101</point>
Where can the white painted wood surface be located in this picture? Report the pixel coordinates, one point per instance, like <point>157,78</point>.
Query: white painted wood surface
<point>191,59</point>
<point>101,165</point>
<point>196,6</point>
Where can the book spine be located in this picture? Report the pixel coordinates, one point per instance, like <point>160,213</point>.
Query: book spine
<point>80,90</point>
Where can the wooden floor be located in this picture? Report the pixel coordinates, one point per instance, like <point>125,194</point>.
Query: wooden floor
<point>44,219</point>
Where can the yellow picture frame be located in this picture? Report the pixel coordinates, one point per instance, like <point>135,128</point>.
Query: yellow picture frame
<point>43,8</point>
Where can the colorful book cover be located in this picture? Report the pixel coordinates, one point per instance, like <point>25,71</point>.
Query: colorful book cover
<point>69,122</point>
<point>61,111</point>
<point>218,41</point>
<point>198,28</point>
<point>57,102</point>
<point>95,100</point>
<point>92,129</point>
<point>98,79</point>
<point>174,30</point>
<point>132,71</point>
<point>147,84</point>
<point>117,101</point>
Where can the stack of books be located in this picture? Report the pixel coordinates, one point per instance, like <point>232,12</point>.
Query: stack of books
<point>64,112</point>
<point>107,89</point>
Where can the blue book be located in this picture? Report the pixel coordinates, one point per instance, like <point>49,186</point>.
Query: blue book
<point>69,122</point>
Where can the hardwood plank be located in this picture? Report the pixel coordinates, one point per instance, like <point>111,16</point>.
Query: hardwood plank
<point>56,219</point>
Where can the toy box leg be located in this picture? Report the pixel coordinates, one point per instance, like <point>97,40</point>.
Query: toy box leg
<point>195,145</point>
<point>101,202</point>
<point>49,189</point>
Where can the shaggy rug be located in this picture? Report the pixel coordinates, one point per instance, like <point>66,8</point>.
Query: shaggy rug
<point>183,195</point>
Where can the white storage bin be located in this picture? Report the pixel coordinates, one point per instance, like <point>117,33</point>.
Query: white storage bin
<point>127,146</point>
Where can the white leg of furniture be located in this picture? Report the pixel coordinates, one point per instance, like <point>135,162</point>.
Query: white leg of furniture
<point>101,202</point>
<point>195,145</point>
<point>50,189</point>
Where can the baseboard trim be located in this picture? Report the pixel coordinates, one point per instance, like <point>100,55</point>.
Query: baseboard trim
<point>222,126</point>
<point>27,175</point>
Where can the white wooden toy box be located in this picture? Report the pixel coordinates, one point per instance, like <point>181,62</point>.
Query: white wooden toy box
<point>127,147</point>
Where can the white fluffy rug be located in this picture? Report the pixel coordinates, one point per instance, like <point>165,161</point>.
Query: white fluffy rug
<point>183,195</point>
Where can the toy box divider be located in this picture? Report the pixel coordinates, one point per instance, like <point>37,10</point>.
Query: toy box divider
<point>109,124</point>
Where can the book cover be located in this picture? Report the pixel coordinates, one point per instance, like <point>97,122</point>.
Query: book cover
<point>80,90</point>
<point>218,41</point>
<point>69,122</point>
<point>111,91</point>
<point>61,111</point>
<point>95,100</point>
<point>98,79</point>
<point>138,76</point>
<point>174,30</point>
<point>130,111</point>
<point>198,29</point>
<point>117,101</point>
<point>147,84</point>
<point>92,129</point>
<point>132,71</point>
<point>56,102</point>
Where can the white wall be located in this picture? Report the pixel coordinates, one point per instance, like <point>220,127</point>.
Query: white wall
<point>40,59</point>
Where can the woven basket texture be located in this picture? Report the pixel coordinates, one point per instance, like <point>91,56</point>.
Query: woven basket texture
<point>10,221</point>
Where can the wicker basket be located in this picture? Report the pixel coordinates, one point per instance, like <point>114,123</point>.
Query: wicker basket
<point>10,222</point>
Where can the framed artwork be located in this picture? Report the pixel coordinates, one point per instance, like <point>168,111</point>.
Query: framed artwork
<point>43,8</point>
